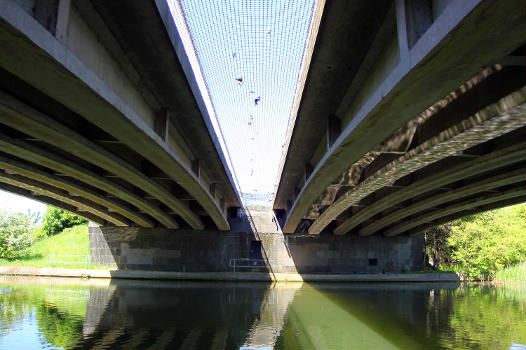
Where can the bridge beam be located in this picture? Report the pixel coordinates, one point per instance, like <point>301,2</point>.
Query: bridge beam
<point>463,213</point>
<point>87,70</point>
<point>481,186</point>
<point>516,192</point>
<point>75,189</point>
<point>462,37</point>
<point>500,118</point>
<point>25,119</point>
<point>494,160</point>
<point>51,201</point>
<point>59,164</point>
<point>80,204</point>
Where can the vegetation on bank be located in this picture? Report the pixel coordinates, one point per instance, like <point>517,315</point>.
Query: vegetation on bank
<point>71,241</point>
<point>24,242</point>
<point>512,274</point>
<point>56,220</point>
<point>484,246</point>
<point>15,235</point>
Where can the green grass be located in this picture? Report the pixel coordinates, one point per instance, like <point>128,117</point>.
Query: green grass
<point>512,274</point>
<point>71,241</point>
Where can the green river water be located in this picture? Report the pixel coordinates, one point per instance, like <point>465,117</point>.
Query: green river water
<point>46,313</point>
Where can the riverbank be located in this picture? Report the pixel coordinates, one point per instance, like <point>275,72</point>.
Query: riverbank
<point>512,274</point>
<point>70,247</point>
<point>226,276</point>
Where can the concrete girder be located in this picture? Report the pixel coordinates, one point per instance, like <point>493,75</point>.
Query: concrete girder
<point>488,162</point>
<point>483,185</point>
<point>49,65</point>
<point>75,189</point>
<point>491,83</point>
<point>170,79</point>
<point>461,214</point>
<point>508,114</point>
<point>518,191</point>
<point>25,119</point>
<point>58,194</point>
<point>51,201</point>
<point>466,36</point>
<point>64,166</point>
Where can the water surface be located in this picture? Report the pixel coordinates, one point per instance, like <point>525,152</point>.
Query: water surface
<point>45,313</point>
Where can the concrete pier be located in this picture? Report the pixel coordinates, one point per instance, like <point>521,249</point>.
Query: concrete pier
<point>190,251</point>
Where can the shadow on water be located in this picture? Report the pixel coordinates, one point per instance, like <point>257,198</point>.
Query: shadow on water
<point>336,316</point>
<point>130,314</point>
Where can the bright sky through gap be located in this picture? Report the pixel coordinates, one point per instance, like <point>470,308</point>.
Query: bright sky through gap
<point>18,204</point>
<point>250,54</point>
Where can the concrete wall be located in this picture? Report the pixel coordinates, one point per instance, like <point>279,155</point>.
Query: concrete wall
<point>353,254</point>
<point>133,248</point>
<point>210,251</point>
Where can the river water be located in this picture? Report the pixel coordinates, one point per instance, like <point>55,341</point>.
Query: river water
<point>45,313</point>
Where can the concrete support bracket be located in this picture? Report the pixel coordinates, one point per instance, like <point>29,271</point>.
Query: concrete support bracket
<point>63,13</point>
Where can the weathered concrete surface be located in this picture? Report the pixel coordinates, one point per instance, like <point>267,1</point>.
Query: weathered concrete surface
<point>390,82</point>
<point>188,251</point>
<point>495,120</point>
<point>126,88</point>
<point>226,276</point>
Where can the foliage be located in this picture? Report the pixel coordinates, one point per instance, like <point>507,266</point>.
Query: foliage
<point>478,246</point>
<point>59,328</point>
<point>73,240</point>
<point>516,273</point>
<point>15,235</point>
<point>56,220</point>
<point>59,310</point>
<point>437,248</point>
<point>478,316</point>
<point>38,233</point>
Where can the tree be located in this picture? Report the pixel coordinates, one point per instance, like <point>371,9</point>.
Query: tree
<point>15,235</point>
<point>56,220</point>
<point>436,246</point>
<point>478,246</point>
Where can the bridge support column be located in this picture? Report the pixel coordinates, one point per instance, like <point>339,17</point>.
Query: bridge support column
<point>134,248</point>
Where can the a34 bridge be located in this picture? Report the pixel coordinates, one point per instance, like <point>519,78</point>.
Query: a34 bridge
<point>413,114</point>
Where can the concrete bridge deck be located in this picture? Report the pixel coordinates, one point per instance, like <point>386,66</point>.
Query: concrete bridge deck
<point>413,114</point>
<point>100,115</point>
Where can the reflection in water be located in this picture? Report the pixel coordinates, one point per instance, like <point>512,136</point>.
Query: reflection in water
<point>266,329</point>
<point>75,314</point>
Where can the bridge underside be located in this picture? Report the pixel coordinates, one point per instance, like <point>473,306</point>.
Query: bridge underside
<point>99,119</point>
<point>421,131</point>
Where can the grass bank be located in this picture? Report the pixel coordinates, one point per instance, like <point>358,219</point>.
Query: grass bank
<point>512,274</point>
<point>71,241</point>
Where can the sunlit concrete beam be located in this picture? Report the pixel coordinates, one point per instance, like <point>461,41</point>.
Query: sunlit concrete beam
<point>38,188</point>
<point>471,211</point>
<point>75,189</point>
<point>30,121</point>
<point>484,185</point>
<point>519,191</point>
<point>465,37</point>
<point>499,118</point>
<point>51,201</point>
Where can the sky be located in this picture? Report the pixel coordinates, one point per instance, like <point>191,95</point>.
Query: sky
<point>14,203</point>
<point>249,54</point>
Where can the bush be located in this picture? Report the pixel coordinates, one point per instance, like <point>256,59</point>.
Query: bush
<point>56,220</point>
<point>478,246</point>
<point>15,235</point>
